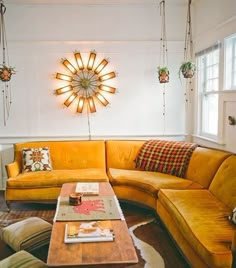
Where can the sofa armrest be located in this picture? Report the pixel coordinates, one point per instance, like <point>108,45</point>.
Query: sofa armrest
<point>13,169</point>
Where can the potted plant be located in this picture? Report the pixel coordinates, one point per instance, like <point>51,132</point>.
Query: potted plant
<point>6,72</point>
<point>188,69</point>
<point>163,73</point>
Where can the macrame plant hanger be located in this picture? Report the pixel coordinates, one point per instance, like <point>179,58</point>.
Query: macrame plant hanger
<point>163,71</point>
<point>188,67</point>
<point>5,70</point>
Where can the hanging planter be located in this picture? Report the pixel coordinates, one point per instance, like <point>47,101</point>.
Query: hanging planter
<point>6,73</point>
<point>188,69</point>
<point>5,70</point>
<point>163,73</point>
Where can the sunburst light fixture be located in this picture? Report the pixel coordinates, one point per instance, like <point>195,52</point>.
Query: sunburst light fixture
<point>85,82</point>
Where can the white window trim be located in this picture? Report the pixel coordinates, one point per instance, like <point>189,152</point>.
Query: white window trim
<point>201,134</point>
<point>233,78</point>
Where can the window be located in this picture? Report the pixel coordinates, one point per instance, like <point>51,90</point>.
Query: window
<point>208,90</point>
<point>230,62</point>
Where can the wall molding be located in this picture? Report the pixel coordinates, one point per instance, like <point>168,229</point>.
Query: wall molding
<point>17,139</point>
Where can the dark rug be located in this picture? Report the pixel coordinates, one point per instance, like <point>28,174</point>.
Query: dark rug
<point>152,235</point>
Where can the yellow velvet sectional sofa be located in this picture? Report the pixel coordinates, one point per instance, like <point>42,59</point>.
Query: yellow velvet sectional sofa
<point>194,209</point>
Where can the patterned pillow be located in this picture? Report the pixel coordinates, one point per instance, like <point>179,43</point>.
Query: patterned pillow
<point>170,157</point>
<point>36,159</point>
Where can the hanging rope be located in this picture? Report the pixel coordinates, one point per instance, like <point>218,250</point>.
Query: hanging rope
<point>164,108</point>
<point>188,46</point>
<point>163,70</point>
<point>5,70</point>
<point>189,69</point>
<point>163,39</point>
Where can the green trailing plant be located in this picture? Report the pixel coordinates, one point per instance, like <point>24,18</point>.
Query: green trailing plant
<point>188,69</point>
<point>163,70</point>
<point>163,74</point>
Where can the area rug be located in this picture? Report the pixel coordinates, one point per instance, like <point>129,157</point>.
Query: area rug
<point>153,245</point>
<point>148,253</point>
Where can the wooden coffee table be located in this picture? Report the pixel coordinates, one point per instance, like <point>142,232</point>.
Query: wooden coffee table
<point>119,252</point>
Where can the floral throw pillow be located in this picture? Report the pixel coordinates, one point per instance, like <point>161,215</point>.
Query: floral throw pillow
<point>36,159</point>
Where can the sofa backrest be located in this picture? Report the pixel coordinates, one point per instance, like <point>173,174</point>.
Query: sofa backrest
<point>121,153</point>
<point>69,154</point>
<point>223,185</point>
<point>202,167</point>
<point>204,164</point>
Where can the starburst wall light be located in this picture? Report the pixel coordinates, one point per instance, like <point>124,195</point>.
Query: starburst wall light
<point>86,83</point>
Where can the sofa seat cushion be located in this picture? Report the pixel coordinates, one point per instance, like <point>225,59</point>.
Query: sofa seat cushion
<point>56,177</point>
<point>148,181</point>
<point>204,225</point>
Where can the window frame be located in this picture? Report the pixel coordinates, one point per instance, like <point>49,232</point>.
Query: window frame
<point>203,92</point>
<point>231,38</point>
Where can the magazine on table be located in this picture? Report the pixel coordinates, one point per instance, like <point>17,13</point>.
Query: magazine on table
<point>93,231</point>
<point>87,188</point>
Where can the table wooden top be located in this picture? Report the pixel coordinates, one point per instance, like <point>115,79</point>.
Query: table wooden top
<point>102,254</point>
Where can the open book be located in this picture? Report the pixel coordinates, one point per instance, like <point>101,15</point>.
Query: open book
<point>87,188</point>
<point>94,231</point>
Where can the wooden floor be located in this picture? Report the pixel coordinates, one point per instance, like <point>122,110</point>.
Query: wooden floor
<point>156,235</point>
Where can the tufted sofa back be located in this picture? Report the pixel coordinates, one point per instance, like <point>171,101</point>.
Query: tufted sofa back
<point>204,164</point>
<point>223,185</point>
<point>121,153</point>
<point>69,154</point>
<point>202,167</point>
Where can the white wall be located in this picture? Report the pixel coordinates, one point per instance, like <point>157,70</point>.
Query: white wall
<point>215,20</point>
<point>128,33</point>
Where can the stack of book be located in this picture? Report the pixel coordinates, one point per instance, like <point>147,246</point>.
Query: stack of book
<point>87,188</point>
<point>94,231</point>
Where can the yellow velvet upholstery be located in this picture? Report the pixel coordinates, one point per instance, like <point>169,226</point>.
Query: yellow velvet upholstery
<point>183,244</point>
<point>147,181</point>
<point>33,194</point>
<point>72,161</point>
<point>56,177</point>
<point>195,209</point>
<point>195,217</point>
<point>203,165</point>
<point>224,184</point>
<point>121,154</point>
<point>69,154</point>
<point>135,195</point>
<point>204,225</point>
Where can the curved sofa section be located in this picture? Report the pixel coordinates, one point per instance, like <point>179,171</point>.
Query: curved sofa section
<point>194,209</point>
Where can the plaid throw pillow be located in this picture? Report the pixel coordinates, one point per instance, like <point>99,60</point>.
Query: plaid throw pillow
<point>36,159</point>
<point>170,157</point>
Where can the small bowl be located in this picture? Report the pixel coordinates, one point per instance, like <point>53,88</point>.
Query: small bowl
<point>75,199</point>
